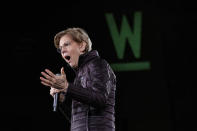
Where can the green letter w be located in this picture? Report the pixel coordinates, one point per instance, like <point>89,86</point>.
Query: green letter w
<point>134,40</point>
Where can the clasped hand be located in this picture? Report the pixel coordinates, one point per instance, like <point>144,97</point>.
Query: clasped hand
<point>54,81</point>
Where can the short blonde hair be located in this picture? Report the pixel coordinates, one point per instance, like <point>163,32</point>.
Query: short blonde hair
<point>77,34</point>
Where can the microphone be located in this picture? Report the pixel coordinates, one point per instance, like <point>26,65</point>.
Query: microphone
<point>70,75</point>
<point>55,99</point>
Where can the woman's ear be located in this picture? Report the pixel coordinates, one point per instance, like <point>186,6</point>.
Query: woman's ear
<point>83,47</point>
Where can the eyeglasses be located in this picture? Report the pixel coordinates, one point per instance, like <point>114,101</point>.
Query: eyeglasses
<point>59,50</point>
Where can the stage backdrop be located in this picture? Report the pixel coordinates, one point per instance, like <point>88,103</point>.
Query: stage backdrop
<point>144,42</point>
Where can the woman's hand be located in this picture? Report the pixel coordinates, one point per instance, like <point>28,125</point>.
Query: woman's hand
<point>58,82</point>
<point>53,91</point>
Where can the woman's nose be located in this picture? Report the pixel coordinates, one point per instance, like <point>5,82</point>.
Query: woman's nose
<point>64,50</point>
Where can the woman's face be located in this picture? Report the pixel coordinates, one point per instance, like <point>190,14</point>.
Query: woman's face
<point>71,50</point>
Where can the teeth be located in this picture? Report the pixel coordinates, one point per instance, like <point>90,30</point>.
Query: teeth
<point>64,55</point>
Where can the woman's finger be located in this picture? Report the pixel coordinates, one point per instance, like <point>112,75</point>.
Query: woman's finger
<point>46,81</point>
<point>53,91</point>
<point>50,73</point>
<point>46,75</point>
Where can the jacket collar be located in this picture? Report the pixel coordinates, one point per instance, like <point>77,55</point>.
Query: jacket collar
<point>84,58</point>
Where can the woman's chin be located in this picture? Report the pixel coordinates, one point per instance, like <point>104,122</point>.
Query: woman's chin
<point>71,65</point>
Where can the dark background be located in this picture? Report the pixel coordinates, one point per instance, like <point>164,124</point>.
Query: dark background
<point>160,99</point>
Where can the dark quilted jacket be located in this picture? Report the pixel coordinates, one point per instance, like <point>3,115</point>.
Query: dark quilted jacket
<point>93,95</point>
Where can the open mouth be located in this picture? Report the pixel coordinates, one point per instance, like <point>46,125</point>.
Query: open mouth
<point>67,58</point>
